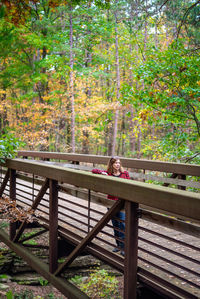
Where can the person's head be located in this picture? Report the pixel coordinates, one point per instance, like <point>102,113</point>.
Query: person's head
<point>114,165</point>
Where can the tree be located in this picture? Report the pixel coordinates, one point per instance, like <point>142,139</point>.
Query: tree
<point>67,71</point>
<point>171,80</point>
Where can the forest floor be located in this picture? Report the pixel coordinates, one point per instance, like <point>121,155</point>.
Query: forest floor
<point>46,292</point>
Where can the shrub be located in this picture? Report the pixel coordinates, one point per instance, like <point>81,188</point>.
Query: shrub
<point>8,146</point>
<point>101,285</point>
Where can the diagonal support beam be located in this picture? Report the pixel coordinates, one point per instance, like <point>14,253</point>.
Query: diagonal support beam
<point>34,206</point>
<point>63,285</point>
<point>92,234</point>
<point>5,181</point>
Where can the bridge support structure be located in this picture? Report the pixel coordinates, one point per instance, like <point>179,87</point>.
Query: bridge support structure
<point>178,202</point>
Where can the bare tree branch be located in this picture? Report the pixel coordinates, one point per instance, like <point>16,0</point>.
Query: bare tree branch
<point>163,4</point>
<point>193,113</point>
<point>185,16</point>
<point>191,158</point>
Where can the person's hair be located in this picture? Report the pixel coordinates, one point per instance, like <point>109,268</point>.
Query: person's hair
<point>110,165</point>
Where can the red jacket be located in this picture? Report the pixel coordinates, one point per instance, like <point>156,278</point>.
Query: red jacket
<point>123,175</point>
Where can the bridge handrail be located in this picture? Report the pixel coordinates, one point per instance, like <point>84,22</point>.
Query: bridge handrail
<point>174,201</point>
<point>169,167</point>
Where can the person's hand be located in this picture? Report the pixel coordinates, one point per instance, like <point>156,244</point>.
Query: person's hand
<point>104,173</point>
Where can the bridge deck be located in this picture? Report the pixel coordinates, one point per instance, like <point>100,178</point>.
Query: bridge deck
<point>167,254</point>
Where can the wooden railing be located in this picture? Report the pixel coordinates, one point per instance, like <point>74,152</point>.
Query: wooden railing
<point>144,170</point>
<point>135,194</point>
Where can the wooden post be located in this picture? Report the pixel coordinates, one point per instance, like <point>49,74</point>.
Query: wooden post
<point>53,225</point>
<point>13,225</point>
<point>131,250</point>
<point>89,204</point>
<point>182,177</point>
<point>144,175</point>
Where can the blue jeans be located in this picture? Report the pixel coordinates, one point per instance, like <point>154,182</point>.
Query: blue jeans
<point>121,226</point>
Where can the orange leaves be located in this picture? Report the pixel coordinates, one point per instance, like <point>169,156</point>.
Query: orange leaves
<point>17,11</point>
<point>57,3</point>
<point>13,212</point>
<point>172,105</point>
<point>144,113</point>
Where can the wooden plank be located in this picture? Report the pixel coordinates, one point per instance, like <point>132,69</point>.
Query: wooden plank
<point>179,168</point>
<point>63,285</point>
<point>165,180</point>
<point>180,186</point>
<point>172,223</point>
<point>138,176</point>
<point>180,202</point>
<point>164,287</point>
<point>134,175</point>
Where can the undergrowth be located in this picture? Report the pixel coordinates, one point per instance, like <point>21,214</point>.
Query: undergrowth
<point>98,285</point>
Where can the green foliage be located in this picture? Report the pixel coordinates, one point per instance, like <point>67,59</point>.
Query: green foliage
<point>4,224</point>
<point>29,234</point>
<point>31,242</point>
<point>26,294</point>
<point>77,279</point>
<point>9,295</point>
<point>172,84</point>
<point>159,76</point>
<point>8,146</point>
<point>100,285</point>
<point>3,276</point>
<point>43,282</point>
<point>171,102</point>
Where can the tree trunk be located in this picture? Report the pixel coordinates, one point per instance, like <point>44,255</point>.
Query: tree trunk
<point>72,84</point>
<point>123,133</point>
<point>139,142</point>
<point>118,86</point>
<point>85,148</point>
<point>109,128</point>
<point>3,115</point>
<point>132,135</point>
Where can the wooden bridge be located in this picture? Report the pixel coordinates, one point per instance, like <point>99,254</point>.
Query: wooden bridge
<point>162,206</point>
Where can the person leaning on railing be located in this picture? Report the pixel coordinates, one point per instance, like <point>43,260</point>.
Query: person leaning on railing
<point>115,169</point>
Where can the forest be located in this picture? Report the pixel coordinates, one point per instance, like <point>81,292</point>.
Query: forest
<point>110,77</point>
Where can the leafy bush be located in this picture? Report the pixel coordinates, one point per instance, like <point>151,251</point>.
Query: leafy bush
<point>8,146</point>
<point>100,285</point>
